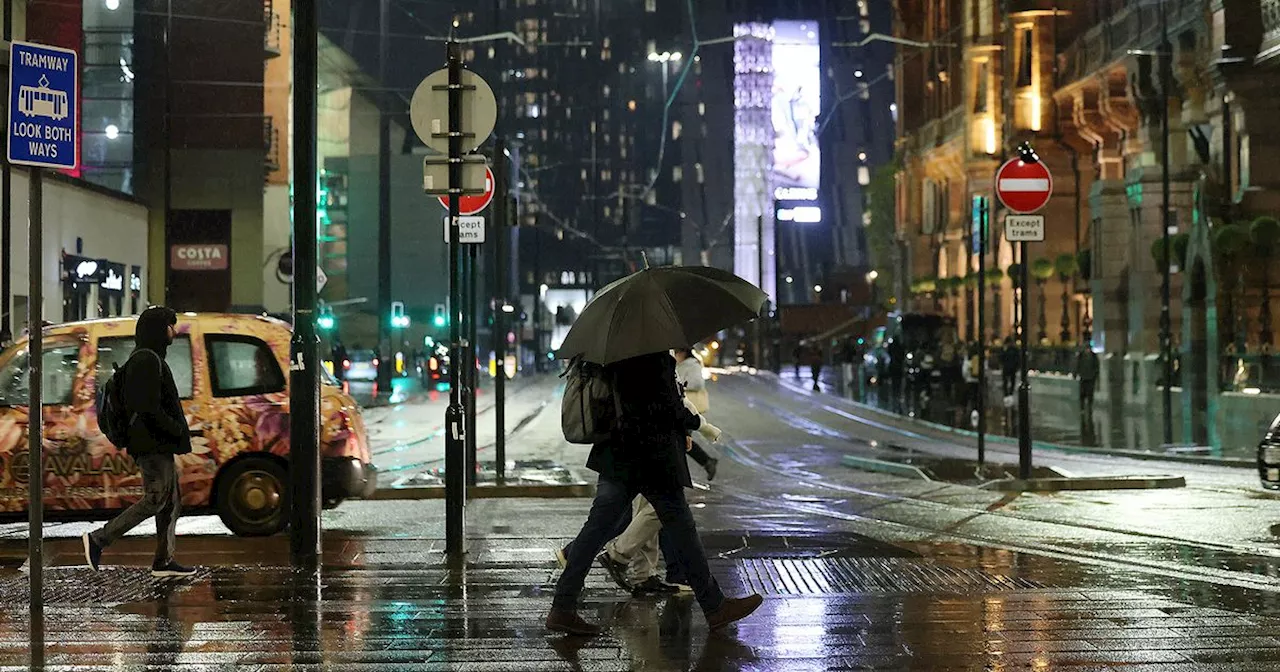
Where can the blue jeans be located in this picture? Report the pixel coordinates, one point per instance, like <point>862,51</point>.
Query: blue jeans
<point>613,500</point>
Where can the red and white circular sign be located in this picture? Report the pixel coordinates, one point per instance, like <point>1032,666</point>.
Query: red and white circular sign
<point>470,205</point>
<point>1023,187</point>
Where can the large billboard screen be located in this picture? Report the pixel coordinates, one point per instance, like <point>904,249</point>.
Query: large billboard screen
<point>796,104</point>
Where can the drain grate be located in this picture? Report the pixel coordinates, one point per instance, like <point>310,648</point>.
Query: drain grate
<point>819,576</point>
<point>77,585</point>
<point>742,545</point>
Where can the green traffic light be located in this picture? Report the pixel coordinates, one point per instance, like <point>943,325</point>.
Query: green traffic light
<point>326,322</point>
<point>439,320</point>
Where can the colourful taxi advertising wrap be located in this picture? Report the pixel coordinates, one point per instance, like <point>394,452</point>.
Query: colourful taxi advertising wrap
<point>232,373</point>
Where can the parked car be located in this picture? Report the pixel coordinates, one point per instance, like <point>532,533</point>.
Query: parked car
<point>1269,456</point>
<point>363,365</point>
<point>230,371</point>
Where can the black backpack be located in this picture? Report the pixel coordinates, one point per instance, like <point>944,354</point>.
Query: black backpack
<point>113,418</point>
<point>590,410</point>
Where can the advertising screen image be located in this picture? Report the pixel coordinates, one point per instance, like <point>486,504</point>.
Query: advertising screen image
<point>797,102</point>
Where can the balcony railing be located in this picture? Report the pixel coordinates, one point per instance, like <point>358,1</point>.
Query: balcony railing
<point>1270,50</point>
<point>270,146</point>
<point>1133,27</point>
<point>271,39</point>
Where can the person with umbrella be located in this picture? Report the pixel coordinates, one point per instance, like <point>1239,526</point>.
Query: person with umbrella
<point>629,327</point>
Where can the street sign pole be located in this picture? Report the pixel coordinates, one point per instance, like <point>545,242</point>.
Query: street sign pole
<point>984,214</point>
<point>455,442</point>
<point>461,129</point>
<point>1024,185</point>
<point>42,132</point>
<point>35,400</point>
<point>304,361</point>
<point>1024,387</point>
<point>499,304</point>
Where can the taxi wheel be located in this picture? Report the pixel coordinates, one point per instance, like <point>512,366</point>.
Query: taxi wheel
<point>253,497</point>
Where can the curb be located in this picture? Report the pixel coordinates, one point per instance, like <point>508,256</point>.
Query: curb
<point>881,466</point>
<point>1237,463</point>
<point>1086,483</point>
<point>490,492</point>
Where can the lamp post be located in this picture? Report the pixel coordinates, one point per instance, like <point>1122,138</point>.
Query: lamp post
<point>666,58</point>
<point>1166,349</point>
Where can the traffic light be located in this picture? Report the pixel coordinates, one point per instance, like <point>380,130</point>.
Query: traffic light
<point>326,320</point>
<point>440,317</point>
<point>398,318</point>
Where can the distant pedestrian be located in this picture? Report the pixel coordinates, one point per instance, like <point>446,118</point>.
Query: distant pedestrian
<point>1010,361</point>
<point>644,456</point>
<point>815,357</point>
<point>157,432</point>
<point>972,373</point>
<point>1086,370</point>
<point>340,360</point>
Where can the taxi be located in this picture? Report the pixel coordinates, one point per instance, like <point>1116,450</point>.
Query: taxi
<point>231,372</point>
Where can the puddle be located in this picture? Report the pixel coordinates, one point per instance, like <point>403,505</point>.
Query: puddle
<point>953,469</point>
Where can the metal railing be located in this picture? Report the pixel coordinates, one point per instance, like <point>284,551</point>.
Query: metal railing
<point>1132,27</point>
<point>271,38</point>
<point>270,145</point>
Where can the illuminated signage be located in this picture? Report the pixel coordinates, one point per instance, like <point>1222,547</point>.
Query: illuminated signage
<point>806,214</point>
<point>113,281</point>
<point>796,103</point>
<point>795,194</point>
<point>86,269</point>
<point>198,257</point>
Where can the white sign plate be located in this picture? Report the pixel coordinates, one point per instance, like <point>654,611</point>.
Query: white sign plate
<point>1024,228</point>
<point>470,230</point>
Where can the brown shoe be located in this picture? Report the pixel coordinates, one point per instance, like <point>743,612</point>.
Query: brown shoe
<point>568,621</point>
<point>733,609</point>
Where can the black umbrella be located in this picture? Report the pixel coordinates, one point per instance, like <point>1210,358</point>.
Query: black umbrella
<point>660,309</point>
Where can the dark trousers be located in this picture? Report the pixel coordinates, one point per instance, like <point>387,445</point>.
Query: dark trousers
<point>160,499</point>
<point>613,499</point>
<point>1010,382</point>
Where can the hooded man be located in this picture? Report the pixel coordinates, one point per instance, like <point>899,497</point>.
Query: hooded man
<point>157,432</point>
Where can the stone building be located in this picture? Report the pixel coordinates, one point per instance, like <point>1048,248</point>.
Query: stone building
<point>1081,81</point>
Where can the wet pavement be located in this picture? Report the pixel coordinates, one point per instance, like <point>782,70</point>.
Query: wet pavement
<point>859,571</point>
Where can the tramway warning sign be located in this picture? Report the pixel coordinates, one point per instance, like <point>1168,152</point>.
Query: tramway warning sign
<point>42,106</point>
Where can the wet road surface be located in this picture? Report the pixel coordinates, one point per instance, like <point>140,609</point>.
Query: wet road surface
<point>859,571</point>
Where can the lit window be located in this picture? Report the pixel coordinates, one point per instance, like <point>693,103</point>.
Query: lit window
<point>606,90</point>
<point>702,109</point>
<point>651,6</point>
<point>677,174</point>
<point>676,127</point>
<point>631,105</point>
<point>864,175</point>
<point>698,173</point>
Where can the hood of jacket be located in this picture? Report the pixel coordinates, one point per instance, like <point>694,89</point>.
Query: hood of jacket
<point>153,329</point>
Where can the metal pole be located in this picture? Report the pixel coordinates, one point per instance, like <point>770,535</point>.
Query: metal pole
<point>386,359</point>
<point>1024,388</point>
<point>35,400</point>
<point>166,178</point>
<point>304,361</point>
<point>6,214</point>
<point>984,214</point>
<point>473,377</point>
<point>1166,337</point>
<point>760,331</point>
<point>499,294</point>
<point>455,490</point>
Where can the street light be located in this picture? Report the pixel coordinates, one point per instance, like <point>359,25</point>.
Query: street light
<point>872,275</point>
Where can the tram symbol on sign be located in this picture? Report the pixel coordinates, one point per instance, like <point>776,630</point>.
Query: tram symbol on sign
<point>42,101</point>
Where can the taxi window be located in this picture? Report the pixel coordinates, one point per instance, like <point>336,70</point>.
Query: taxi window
<point>241,366</point>
<point>115,351</point>
<point>58,377</point>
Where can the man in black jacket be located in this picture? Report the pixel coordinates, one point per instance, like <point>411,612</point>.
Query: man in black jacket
<point>157,432</point>
<point>646,456</point>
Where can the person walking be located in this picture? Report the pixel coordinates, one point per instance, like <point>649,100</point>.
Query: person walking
<point>1009,363</point>
<point>1086,371</point>
<point>157,432</point>
<point>634,552</point>
<point>644,456</point>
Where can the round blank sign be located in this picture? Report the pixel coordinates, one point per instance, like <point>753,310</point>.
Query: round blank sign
<point>429,111</point>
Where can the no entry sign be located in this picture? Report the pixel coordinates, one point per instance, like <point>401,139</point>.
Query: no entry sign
<point>470,205</point>
<point>1023,187</point>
